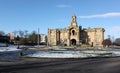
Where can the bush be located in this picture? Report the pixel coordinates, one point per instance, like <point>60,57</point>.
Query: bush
<point>106,42</point>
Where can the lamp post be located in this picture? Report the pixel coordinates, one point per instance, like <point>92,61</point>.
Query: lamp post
<point>38,37</point>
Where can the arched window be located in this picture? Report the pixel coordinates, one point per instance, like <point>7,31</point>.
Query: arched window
<point>73,32</point>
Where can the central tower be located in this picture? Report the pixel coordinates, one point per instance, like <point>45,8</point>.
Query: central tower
<point>74,23</point>
<point>74,32</point>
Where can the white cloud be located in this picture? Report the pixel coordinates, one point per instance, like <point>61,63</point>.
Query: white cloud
<point>106,15</point>
<point>113,31</point>
<point>63,6</point>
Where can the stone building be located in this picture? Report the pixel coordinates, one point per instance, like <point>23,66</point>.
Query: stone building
<point>75,35</point>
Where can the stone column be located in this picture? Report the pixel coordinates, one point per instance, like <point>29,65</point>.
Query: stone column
<point>102,34</point>
<point>94,37</point>
<point>78,37</point>
<point>68,39</point>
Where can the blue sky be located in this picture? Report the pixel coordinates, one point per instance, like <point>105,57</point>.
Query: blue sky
<point>32,14</point>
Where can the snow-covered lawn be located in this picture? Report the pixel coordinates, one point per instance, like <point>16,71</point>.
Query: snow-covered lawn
<point>74,54</point>
<point>55,52</point>
<point>10,48</point>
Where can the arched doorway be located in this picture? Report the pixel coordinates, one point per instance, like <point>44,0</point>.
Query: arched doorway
<point>73,42</point>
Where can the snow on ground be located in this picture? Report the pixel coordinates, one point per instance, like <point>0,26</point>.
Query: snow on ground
<point>10,48</point>
<point>74,54</point>
<point>40,46</point>
<point>36,46</point>
<point>56,52</point>
<point>2,44</point>
<point>115,53</point>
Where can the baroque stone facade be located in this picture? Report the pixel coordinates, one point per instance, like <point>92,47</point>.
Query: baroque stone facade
<point>75,35</point>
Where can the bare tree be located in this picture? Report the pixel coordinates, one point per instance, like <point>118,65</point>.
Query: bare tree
<point>21,33</point>
<point>33,37</point>
<point>26,33</point>
<point>2,33</point>
<point>15,33</point>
